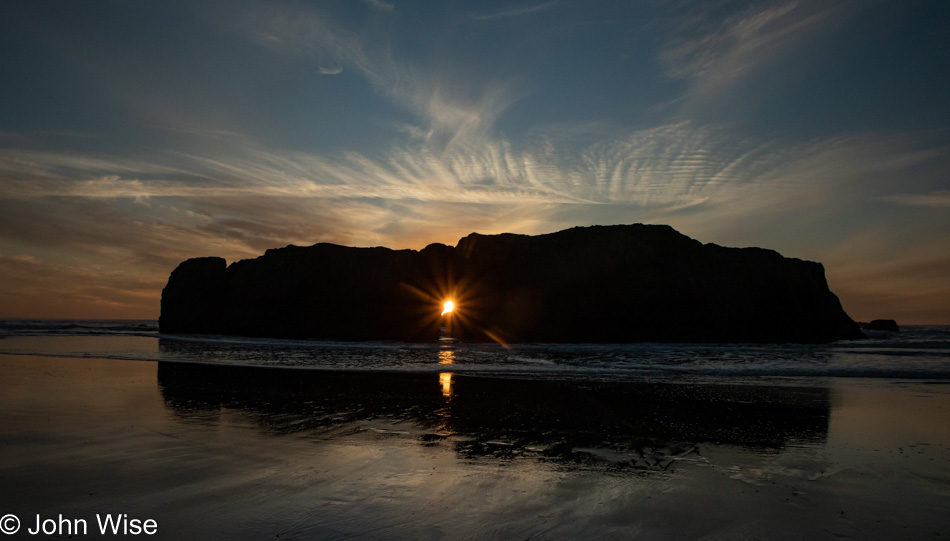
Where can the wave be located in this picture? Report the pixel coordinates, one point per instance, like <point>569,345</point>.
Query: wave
<point>74,327</point>
<point>921,353</point>
<point>597,361</point>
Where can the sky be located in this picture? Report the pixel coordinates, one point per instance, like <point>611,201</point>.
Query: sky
<point>135,135</point>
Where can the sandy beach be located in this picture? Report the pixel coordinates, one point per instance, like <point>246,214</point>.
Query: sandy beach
<point>211,452</point>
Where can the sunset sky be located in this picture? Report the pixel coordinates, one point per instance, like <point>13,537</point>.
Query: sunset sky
<point>134,135</point>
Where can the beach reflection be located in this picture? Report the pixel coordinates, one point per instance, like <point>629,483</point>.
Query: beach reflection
<point>627,424</point>
<point>445,380</point>
<point>446,356</point>
<point>226,452</point>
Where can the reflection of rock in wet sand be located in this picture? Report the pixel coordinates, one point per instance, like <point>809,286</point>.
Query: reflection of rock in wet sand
<point>622,424</point>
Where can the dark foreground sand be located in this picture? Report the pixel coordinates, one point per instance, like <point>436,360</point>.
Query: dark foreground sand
<point>225,453</point>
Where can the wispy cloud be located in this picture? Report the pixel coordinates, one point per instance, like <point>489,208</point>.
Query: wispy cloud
<point>940,198</point>
<point>515,12</point>
<point>380,4</point>
<point>453,104</point>
<point>714,52</point>
<point>459,118</point>
<point>300,30</point>
<point>144,216</point>
<point>673,167</point>
<point>666,166</point>
<point>335,70</point>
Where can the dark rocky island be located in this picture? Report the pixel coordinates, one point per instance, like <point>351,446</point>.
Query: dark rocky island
<point>884,325</point>
<point>625,283</point>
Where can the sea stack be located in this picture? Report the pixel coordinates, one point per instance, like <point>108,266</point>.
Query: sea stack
<point>884,325</point>
<point>607,284</point>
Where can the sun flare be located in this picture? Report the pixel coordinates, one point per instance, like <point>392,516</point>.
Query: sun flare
<point>447,307</point>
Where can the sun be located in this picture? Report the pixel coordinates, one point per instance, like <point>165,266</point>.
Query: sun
<point>447,308</point>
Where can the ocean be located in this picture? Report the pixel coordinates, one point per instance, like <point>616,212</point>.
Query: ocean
<point>916,353</point>
<point>218,437</point>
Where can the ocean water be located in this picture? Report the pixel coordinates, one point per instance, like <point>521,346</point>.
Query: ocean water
<point>916,353</point>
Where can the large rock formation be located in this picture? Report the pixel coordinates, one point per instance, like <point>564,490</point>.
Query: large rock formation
<point>625,283</point>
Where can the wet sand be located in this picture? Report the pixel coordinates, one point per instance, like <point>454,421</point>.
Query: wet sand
<point>225,453</point>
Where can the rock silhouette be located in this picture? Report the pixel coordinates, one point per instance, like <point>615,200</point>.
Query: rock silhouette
<point>624,283</point>
<point>888,325</point>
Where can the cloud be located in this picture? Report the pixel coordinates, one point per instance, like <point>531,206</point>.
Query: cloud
<point>675,165</point>
<point>515,12</point>
<point>454,103</point>
<point>145,214</point>
<point>380,4</point>
<point>713,52</point>
<point>938,199</point>
<point>302,31</point>
<point>456,117</point>
<point>336,70</point>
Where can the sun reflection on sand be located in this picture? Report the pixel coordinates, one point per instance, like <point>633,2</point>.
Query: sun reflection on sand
<point>445,379</point>
<point>446,357</point>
